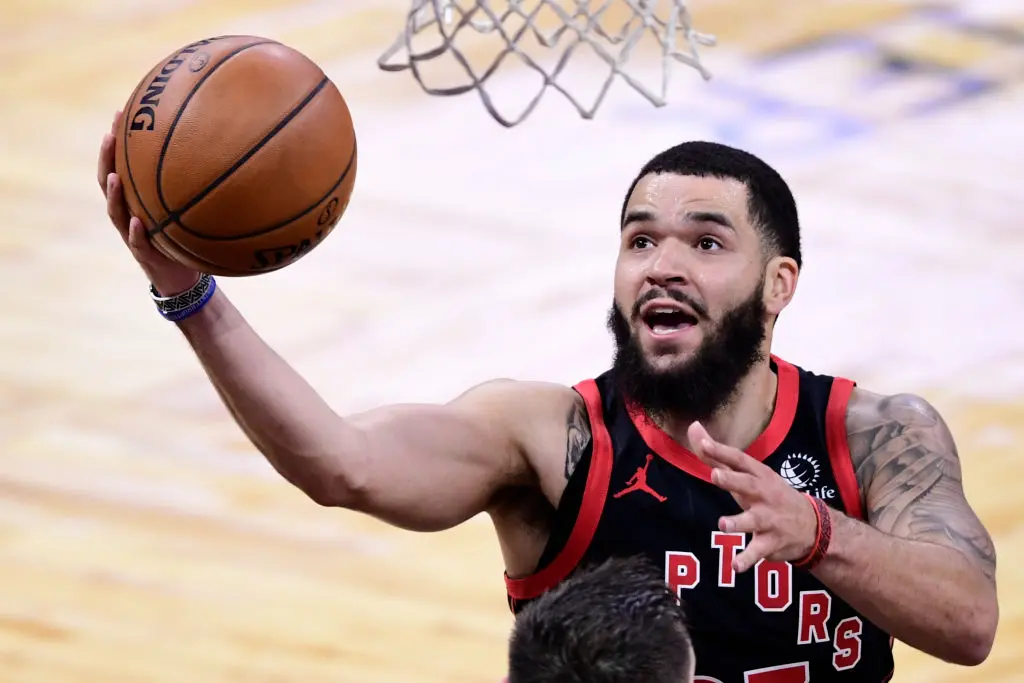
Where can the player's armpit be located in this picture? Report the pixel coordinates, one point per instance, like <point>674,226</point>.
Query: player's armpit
<point>431,467</point>
<point>908,468</point>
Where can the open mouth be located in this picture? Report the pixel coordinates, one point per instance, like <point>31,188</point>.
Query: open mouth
<point>664,321</point>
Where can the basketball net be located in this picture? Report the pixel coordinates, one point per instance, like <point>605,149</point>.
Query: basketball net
<point>475,38</point>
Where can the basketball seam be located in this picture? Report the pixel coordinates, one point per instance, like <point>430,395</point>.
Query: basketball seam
<point>280,224</point>
<point>175,216</point>
<point>124,135</point>
<point>171,214</point>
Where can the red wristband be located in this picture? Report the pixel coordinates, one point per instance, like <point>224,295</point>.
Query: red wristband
<point>823,535</point>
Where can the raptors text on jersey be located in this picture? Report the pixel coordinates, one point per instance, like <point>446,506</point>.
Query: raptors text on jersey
<point>639,492</point>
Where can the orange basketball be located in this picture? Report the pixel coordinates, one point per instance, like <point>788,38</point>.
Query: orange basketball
<point>238,154</point>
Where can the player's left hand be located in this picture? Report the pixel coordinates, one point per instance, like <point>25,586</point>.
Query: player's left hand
<point>783,522</point>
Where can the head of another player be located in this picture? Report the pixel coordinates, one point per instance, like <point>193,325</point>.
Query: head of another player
<point>617,622</point>
<point>709,257</point>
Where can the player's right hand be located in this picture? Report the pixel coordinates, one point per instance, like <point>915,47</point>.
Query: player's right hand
<point>782,520</point>
<point>168,276</point>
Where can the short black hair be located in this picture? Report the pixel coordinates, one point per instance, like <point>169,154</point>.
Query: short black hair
<point>617,622</point>
<point>770,201</point>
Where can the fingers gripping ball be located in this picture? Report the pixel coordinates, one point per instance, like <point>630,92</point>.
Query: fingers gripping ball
<point>238,154</point>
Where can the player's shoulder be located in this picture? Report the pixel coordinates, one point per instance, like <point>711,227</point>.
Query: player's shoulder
<point>512,392</point>
<point>907,410</point>
<point>879,424</point>
<point>522,402</point>
<point>537,415</point>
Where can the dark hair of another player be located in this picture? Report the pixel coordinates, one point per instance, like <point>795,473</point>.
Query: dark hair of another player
<point>617,622</point>
<point>771,204</point>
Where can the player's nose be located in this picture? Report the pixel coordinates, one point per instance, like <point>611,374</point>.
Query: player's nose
<point>669,266</point>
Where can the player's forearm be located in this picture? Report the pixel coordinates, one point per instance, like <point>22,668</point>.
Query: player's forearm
<point>278,410</point>
<point>929,596</point>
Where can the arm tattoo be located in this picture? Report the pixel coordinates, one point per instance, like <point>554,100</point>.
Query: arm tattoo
<point>909,472</point>
<point>577,438</point>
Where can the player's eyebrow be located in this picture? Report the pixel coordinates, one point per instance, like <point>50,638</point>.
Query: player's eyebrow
<point>646,215</point>
<point>709,217</point>
<point>637,216</point>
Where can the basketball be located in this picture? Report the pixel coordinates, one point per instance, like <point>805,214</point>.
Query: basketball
<point>238,154</point>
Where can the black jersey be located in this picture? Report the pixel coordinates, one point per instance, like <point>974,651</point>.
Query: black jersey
<point>639,492</point>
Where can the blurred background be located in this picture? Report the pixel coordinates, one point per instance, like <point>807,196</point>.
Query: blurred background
<point>143,539</point>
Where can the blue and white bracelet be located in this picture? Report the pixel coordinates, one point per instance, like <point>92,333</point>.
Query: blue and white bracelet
<point>180,306</point>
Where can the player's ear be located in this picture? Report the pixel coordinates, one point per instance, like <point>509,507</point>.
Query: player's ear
<point>780,277</point>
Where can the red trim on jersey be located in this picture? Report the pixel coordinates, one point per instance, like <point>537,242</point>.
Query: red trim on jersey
<point>594,496</point>
<point>771,438</point>
<point>839,447</point>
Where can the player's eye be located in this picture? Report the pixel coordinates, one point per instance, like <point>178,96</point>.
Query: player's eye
<point>641,242</point>
<point>708,244</point>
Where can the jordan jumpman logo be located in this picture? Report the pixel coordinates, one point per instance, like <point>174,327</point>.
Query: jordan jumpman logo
<point>638,482</point>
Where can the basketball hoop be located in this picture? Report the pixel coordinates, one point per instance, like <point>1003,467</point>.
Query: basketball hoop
<point>545,36</point>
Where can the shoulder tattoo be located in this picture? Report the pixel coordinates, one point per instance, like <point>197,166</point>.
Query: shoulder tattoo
<point>908,469</point>
<point>577,436</point>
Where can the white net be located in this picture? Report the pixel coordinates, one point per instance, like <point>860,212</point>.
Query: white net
<point>474,39</point>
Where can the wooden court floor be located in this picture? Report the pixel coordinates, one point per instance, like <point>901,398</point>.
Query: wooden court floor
<point>141,538</point>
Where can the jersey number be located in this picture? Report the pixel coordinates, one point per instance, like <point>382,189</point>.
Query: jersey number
<point>787,673</point>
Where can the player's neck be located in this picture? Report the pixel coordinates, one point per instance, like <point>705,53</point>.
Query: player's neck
<point>743,418</point>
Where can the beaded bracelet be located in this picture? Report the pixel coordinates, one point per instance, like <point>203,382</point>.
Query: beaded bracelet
<point>180,306</point>
<point>823,536</point>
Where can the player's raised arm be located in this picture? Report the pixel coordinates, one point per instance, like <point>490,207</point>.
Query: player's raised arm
<point>424,467</point>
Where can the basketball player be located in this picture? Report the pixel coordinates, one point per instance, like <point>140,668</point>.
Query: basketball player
<point>803,519</point>
<point>613,623</point>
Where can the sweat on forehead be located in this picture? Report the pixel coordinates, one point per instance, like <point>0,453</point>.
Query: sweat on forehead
<point>686,199</point>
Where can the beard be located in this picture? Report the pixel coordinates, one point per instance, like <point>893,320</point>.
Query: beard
<point>699,387</point>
